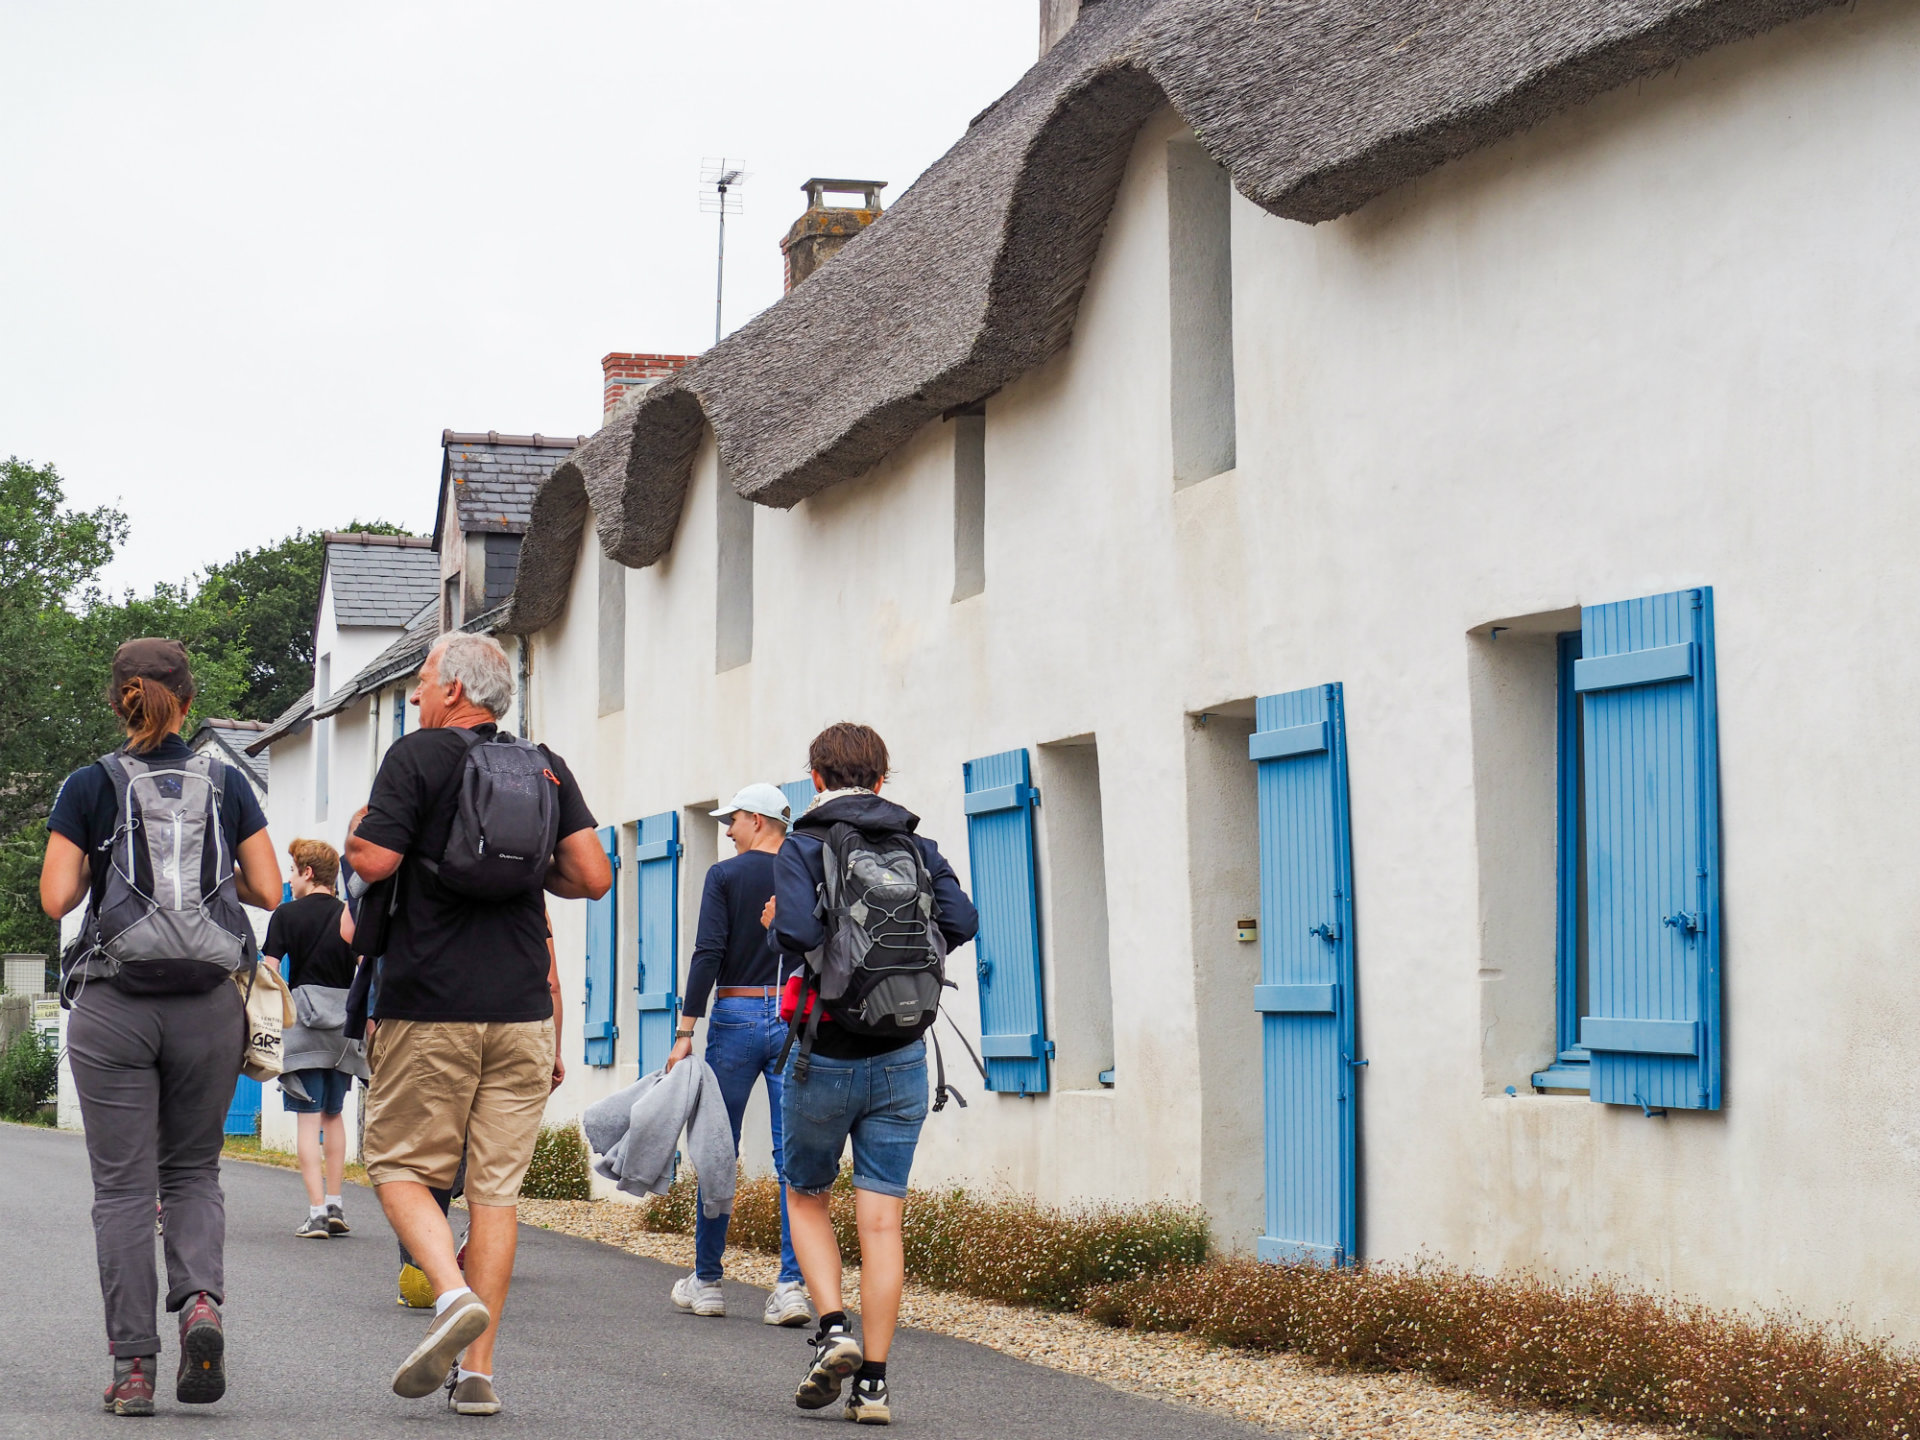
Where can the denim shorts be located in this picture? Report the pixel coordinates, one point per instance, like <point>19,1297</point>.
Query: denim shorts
<point>881,1102</point>
<point>328,1089</point>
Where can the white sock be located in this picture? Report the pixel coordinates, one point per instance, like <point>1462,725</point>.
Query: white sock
<point>333,1202</point>
<point>466,1374</point>
<point>316,1212</point>
<point>441,1302</point>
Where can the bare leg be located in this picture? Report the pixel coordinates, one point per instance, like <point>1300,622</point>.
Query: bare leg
<point>492,1236</point>
<point>307,1146</point>
<point>814,1246</point>
<point>334,1132</point>
<point>416,1219</point>
<point>883,1266</point>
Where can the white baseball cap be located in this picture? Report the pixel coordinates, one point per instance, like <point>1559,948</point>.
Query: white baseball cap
<point>758,798</point>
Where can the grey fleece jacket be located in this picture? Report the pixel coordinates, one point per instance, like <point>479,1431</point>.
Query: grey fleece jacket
<point>317,1041</point>
<point>636,1132</point>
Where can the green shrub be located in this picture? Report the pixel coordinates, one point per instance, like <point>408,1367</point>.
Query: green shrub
<point>1596,1347</point>
<point>29,1074</point>
<point>559,1169</point>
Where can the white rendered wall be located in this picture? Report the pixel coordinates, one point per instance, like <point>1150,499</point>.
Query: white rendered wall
<point>1665,340</point>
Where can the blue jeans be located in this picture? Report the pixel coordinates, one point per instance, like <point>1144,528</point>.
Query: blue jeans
<point>744,1036</point>
<point>880,1102</point>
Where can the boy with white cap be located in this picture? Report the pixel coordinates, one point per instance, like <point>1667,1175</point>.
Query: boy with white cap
<point>734,959</point>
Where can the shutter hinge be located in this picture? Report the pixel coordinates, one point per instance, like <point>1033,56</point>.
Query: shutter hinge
<point>1049,1045</point>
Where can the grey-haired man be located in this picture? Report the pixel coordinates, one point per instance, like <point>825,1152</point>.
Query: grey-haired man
<point>734,960</point>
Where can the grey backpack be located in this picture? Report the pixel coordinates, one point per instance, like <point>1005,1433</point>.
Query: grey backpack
<point>506,821</point>
<point>168,919</point>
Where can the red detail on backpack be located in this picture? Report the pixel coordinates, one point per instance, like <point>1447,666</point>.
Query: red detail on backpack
<point>790,998</point>
<point>551,776</point>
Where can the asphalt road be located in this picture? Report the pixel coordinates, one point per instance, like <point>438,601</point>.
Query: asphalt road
<point>592,1346</point>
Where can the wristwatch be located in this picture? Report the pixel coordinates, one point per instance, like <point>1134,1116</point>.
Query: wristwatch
<point>683,1034</point>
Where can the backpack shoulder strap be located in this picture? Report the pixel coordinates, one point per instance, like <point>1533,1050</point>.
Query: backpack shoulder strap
<point>470,740</point>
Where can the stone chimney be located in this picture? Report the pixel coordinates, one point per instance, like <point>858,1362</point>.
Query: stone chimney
<point>628,374</point>
<point>822,229</point>
<point>1056,18</point>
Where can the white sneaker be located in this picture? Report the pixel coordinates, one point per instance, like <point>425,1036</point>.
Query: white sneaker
<point>787,1305</point>
<point>699,1297</point>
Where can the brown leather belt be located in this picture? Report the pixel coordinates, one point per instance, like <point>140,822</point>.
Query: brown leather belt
<point>747,992</point>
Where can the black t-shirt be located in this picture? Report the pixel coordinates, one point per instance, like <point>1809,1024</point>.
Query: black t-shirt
<point>450,956</point>
<point>306,933</point>
<point>85,811</point>
<point>732,947</point>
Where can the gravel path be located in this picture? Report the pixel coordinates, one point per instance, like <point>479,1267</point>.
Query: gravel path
<point>1281,1392</point>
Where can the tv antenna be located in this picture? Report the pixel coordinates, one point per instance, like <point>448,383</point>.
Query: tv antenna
<point>719,180</point>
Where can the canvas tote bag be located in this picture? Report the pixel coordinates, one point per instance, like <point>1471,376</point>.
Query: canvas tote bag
<point>269,1012</point>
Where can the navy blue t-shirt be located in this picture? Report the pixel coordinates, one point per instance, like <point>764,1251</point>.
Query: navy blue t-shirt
<point>84,810</point>
<point>732,947</point>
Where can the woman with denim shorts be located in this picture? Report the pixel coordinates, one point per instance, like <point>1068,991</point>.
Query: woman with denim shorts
<point>870,1090</point>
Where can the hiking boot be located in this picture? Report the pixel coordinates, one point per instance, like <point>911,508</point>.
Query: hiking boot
<point>337,1221</point>
<point>695,1296</point>
<point>471,1396</point>
<point>314,1227</point>
<point>425,1370</point>
<point>787,1305</point>
<point>202,1377</point>
<point>416,1291</point>
<point>836,1355</point>
<point>867,1402</point>
<point>131,1392</point>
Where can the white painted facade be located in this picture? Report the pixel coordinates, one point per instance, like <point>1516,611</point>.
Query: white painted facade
<point>1665,340</point>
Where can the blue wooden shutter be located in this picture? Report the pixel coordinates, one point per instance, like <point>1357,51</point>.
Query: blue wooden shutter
<point>243,1111</point>
<point>1013,1022</point>
<point>799,795</point>
<point>1646,681</point>
<point>600,1029</point>
<point>656,864</point>
<point>1305,994</point>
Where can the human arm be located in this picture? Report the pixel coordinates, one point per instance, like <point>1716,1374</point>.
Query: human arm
<point>796,929</point>
<point>580,870</point>
<point>256,876</point>
<point>65,876</point>
<point>709,949</point>
<point>953,911</point>
<point>553,985</point>
<point>372,863</point>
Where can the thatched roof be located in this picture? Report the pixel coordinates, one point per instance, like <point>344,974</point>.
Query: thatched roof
<point>975,275</point>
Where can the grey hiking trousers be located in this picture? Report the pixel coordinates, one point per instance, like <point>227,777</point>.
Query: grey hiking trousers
<point>155,1075</point>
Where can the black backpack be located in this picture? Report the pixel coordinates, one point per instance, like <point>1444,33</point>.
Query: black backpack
<point>508,821</point>
<point>881,968</point>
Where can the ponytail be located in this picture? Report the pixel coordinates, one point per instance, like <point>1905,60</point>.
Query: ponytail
<point>151,712</point>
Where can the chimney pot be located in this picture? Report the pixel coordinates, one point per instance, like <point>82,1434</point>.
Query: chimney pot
<point>822,228</point>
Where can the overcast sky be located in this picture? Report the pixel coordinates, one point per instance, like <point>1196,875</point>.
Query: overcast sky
<point>255,257</point>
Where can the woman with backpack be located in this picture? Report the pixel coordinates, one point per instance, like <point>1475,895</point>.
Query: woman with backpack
<point>162,846</point>
<point>859,1069</point>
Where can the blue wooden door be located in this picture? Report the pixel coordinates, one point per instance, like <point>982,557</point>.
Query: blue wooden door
<point>656,865</point>
<point>1013,1021</point>
<point>1646,682</point>
<point>243,1113</point>
<point>1305,994</point>
<point>601,1028</point>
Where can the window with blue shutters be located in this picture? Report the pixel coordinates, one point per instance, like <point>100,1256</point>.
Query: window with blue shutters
<point>1013,1027</point>
<point>603,929</point>
<point>1570,1069</point>
<point>1650,788</point>
<point>1305,994</point>
<point>656,871</point>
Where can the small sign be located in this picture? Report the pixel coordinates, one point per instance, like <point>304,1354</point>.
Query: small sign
<point>1248,931</point>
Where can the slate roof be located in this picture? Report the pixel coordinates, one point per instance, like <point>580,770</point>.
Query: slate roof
<point>290,721</point>
<point>974,276</point>
<point>231,737</point>
<point>402,657</point>
<point>379,580</point>
<point>493,477</point>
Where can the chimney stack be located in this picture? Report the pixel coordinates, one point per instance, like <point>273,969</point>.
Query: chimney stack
<point>822,229</point>
<point>1056,18</point>
<point>626,374</point>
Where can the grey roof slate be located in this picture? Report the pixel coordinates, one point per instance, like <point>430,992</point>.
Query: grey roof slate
<point>290,721</point>
<point>402,657</point>
<point>230,738</point>
<point>974,276</point>
<point>493,477</point>
<point>380,580</point>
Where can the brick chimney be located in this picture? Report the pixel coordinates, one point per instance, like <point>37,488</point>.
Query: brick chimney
<point>822,228</point>
<point>1056,18</point>
<point>627,374</point>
